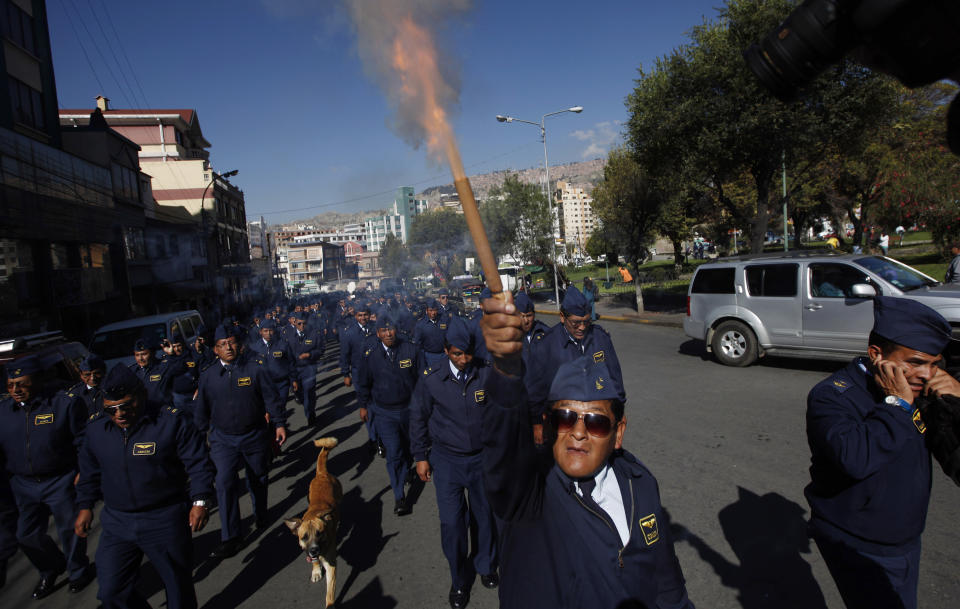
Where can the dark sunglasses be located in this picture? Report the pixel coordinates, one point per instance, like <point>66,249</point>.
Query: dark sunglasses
<point>126,406</point>
<point>598,425</point>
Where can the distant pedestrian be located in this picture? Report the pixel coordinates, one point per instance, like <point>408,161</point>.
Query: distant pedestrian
<point>884,242</point>
<point>590,293</point>
<point>953,271</point>
<point>900,232</point>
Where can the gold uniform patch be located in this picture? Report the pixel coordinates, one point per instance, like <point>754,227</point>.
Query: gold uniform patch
<point>648,524</point>
<point>479,396</point>
<point>154,378</point>
<point>244,381</point>
<point>278,353</point>
<point>43,419</point>
<point>406,363</point>
<point>918,422</point>
<point>191,364</point>
<point>840,384</point>
<point>598,357</point>
<point>443,326</point>
<point>309,341</point>
<point>144,448</point>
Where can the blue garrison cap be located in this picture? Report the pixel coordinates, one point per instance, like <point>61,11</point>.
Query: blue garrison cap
<point>574,303</point>
<point>119,382</point>
<point>523,303</point>
<point>202,330</point>
<point>177,338</point>
<point>443,292</point>
<point>268,324</point>
<point>485,293</point>
<point>301,316</point>
<point>363,308</point>
<point>142,345</point>
<point>911,324</point>
<point>91,362</point>
<point>385,320</point>
<point>223,332</point>
<point>24,366</point>
<point>432,304</point>
<point>459,335</point>
<point>584,380</point>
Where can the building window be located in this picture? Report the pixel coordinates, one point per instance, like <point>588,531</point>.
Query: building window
<point>133,244</point>
<point>18,27</point>
<point>27,104</point>
<point>125,183</point>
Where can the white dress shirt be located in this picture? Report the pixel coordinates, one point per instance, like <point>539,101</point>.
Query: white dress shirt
<point>608,496</point>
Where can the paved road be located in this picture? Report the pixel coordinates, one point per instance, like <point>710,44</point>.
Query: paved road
<point>727,445</point>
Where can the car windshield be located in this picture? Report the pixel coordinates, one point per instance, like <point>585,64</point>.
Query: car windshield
<point>897,274</point>
<point>119,343</point>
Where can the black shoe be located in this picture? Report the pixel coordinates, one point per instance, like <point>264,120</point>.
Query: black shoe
<point>3,573</point>
<point>44,587</point>
<point>490,581</point>
<point>459,597</point>
<point>311,420</point>
<point>381,451</point>
<point>400,507</point>
<point>76,585</point>
<point>229,548</point>
<point>372,447</point>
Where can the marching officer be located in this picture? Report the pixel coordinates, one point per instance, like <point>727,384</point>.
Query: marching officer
<point>445,309</point>
<point>202,351</point>
<point>445,417</point>
<point>184,373</point>
<point>40,434</point>
<point>92,370</point>
<point>529,324</point>
<point>353,335</point>
<point>153,373</point>
<point>278,359</point>
<point>386,378</point>
<point>236,394</point>
<point>570,339</point>
<point>308,348</point>
<point>870,469</point>
<point>480,352</point>
<point>149,464</point>
<point>428,335</point>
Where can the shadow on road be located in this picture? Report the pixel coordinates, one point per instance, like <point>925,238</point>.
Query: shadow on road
<point>362,542</point>
<point>698,348</point>
<point>768,534</point>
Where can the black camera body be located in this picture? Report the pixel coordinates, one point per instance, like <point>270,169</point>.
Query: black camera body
<point>916,41</point>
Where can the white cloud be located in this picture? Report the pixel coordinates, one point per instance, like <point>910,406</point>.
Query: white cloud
<point>599,139</point>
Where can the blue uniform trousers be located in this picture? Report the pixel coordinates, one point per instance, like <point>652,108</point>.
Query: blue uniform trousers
<point>307,376</point>
<point>37,500</point>
<point>251,450</point>
<point>163,535</point>
<point>455,477</point>
<point>371,427</point>
<point>394,429</point>
<point>283,388</point>
<point>868,581</point>
<point>435,360</point>
<point>8,521</point>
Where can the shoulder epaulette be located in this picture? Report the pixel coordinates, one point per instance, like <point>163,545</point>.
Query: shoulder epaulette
<point>171,410</point>
<point>95,416</point>
<point>840,384</point>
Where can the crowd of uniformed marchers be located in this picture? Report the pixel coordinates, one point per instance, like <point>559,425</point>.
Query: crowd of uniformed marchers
<point>519,426</point>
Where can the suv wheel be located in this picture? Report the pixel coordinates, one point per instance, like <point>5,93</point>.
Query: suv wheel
<point>734,344</point>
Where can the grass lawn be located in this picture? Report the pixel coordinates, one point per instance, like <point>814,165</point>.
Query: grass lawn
<point>927,260</point>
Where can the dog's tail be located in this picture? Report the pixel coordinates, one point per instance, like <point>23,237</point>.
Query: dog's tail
<point>324,444</point>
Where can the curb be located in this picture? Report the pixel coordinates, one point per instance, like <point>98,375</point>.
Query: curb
<point>668,323</point>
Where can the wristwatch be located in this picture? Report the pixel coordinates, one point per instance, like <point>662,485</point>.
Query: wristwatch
<point>200,503</point>
<point>894,400</point>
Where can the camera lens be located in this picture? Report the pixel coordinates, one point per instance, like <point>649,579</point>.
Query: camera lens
<point>812,37</point>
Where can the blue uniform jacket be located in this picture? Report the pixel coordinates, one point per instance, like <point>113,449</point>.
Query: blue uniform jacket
<point>235,402</point>
<point>554,348</point>
<point>157,378</point>
<point>42,438</point>
<point>446,414</point>
<point>151,465</point>
<point>555,551</point>
<point>92,398</point>
<point>479,345</point>
<point>312,343</point>
<point>530,338</point>
<point>870,469</point>
<point>352,338</point>
<point>430,335</point>
<point>203,358</point>
<point>388,384</point>
<point>445,313</point>
<point>277,357</point>
<point>406,322</point>
<point>184,372</point>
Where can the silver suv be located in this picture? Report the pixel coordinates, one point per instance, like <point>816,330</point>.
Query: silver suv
<point>814,304</point>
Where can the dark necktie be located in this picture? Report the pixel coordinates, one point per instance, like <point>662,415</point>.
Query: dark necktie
<point>228,368</point>
<point>587,486</point>
<point>391,354</point>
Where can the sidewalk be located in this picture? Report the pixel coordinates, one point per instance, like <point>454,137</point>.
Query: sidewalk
<point>610,312</point>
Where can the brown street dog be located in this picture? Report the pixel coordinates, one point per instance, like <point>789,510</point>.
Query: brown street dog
<point>317,529</point>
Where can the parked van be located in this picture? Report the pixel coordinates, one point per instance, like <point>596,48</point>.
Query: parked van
<point>114,342</point>
<point>815,304</point>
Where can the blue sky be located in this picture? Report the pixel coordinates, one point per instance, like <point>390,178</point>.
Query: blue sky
<point>282,96</point>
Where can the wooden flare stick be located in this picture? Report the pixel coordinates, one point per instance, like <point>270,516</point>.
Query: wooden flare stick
<point>487,262</point>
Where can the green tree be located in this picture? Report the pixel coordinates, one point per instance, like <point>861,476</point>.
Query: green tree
<point>600,245</point>
<point>517,218</point>
<point>701,115</point>
<point>440,238</point>
<point>395,259</point>
<point>629,207</point>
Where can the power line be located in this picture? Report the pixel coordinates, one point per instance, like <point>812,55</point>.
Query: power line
<point>386,192</point>
<point>99,52</point>
<point>82,47</point>
<point>123,75</point>
<point>126,57</point>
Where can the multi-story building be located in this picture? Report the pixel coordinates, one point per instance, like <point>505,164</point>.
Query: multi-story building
<point>313,263</point>
<point>173,151</point>
<point>405,209</point>
<point>579,221</point>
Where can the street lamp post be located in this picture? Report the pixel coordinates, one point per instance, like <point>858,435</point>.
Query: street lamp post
<point>554,219</point>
